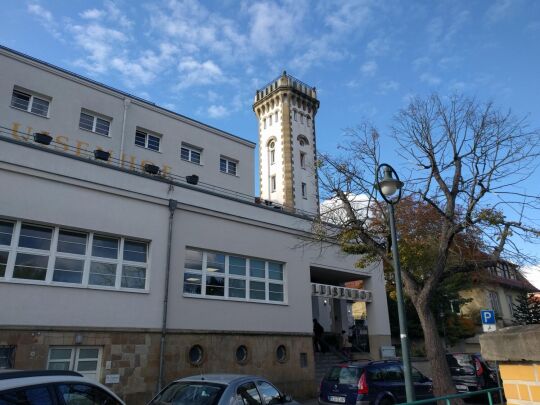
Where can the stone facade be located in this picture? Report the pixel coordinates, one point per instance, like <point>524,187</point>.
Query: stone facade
<point>134,356</point>
<point>516,348</point>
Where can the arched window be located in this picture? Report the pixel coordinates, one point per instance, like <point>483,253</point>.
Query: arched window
<point>302,140</point>
<point>295,115</point>
<point>272,151</point>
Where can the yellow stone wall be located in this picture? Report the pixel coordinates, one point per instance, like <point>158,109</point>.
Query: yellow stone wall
<point>521,383</point>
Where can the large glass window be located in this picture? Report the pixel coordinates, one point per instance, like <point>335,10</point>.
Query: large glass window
<point>83,359</point>
<point>47,254</point>
<point>30,103</point>
<point>147,140</point>
<point>190,154</point>
<point>91,122</point>
<point>213,274</point>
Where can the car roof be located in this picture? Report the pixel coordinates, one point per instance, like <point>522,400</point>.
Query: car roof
<point>220,378</point>
<point>366,363</point>
<point>18,379</point>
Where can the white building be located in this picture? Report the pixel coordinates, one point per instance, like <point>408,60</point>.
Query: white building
<point>119,273</point>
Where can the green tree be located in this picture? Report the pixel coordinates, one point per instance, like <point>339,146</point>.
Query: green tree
<point>527,309</point>
<point>466,159</point>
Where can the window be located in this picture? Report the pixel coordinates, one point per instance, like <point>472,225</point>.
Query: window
<point>302,140</point>
<point>30,103</point>
<point>270,120</point>
<point>304,190</point>
<point>7,357</point>
<point>270,394</point>
<point>510,301</point>
<point>82,359</point>
<point>54,255</point>
<point>303,160</point>
<point>308,121</point>
<point>85,394</point>
<point>248,394</point>
<point>494,302</point>
<point>273,183</point>
<point>39,395</point>
<point>190,154</point>
<point>91,122</point>
<point>227,165</point>
<point>218,275</point>
<point>276,116</point>
<point>147,140</point>
<point>301,118</point>
<point>272,149</point>
<point>295,115</point>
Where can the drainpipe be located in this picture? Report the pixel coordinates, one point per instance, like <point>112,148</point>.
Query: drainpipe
<point>127,102</point>
<point>172,209</point>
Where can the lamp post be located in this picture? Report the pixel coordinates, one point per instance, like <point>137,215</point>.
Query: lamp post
<point>388,186</point>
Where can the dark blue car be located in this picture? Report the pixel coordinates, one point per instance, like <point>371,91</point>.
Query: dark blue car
<point>370,383</point>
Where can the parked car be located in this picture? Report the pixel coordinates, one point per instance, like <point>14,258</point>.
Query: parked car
<point>53,387</point>
<point>371,383</point>
<point>471,373</point>
<point>222,389</point>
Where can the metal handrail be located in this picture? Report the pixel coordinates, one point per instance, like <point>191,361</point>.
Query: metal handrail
<point>447,398</point>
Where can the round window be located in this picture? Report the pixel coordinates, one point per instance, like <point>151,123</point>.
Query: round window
<point>272,145</point>
<point>241,354</point>
<point>302,143</point>
<point>281,354</point>
<point>195,355</point>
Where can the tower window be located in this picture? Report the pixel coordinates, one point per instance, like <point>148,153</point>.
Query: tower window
<point>308,121</point>
<point>270,120</point>
<point>304,190</point>
<point>264,123</point>
<point>302,160</point>
<point>272,148</point>
<point>295,115</point>
<point>273,183</point>
<point>276,117</point>
<point>302,118</point>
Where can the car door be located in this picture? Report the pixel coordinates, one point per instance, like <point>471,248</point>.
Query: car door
<point>394,381</point>
<point>33,395</point>
<point>84,394</point>
<point>423,387</point>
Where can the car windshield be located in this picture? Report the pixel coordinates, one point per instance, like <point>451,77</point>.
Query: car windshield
<point>190,393</point>
<point>460,364</point>
<point>344,375</point>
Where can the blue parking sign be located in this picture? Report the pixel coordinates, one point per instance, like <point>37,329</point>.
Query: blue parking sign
<point>488,317</point>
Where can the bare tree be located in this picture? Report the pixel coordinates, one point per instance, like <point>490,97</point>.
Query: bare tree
<point>466,160</point>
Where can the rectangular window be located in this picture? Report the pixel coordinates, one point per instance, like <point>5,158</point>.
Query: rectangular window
<point>7,357</point>
<point>91,122</point>
<point>304,190</point>
<point>276,117</point>
<point>308,121</point>
<point>272,156</point>
<point>510,301</point>
<point>84,359</point>
<point>147,140</point>
<point>217,275</point>
<point>54,255</point>
<point>273,184</point>
<point>30,103</point>
<point>190,154</point>
<point>227,166</point>
<point>494,302</point>
<point>303,160</point>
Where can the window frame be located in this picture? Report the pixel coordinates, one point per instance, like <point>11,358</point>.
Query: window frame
<point>227,276</point>
<point>147,134</point>
<point>95,117</point>
<point>33,96</point>
<point>191,149</point>
<point>304,191</point>
<point>75,357</point>
<point>303,160</point>
<point>273,184</point>
<point>52,253</point>
<point>228,162</point>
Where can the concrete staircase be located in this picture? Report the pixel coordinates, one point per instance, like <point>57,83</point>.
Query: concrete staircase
<point>323,362</point>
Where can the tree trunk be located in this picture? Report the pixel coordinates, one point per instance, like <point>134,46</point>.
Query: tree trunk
<point>436,353</point>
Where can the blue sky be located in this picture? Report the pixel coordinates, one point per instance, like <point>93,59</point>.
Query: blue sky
<point>366,58</point>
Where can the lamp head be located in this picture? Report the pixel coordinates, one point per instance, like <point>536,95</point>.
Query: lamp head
<point>389,184</point>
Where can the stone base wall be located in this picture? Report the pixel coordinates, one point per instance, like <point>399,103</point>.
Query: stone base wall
<point>134,357</point>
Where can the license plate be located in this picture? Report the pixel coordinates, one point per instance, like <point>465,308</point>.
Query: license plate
<point>340,400</point>
<point>462,388</point>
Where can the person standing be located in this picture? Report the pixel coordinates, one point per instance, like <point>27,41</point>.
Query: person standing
<point>318,332</point>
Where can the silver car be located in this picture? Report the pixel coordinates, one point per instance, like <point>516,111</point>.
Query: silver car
<point>221,389</point>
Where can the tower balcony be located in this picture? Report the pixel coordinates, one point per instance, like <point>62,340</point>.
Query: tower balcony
<point>285,82</point>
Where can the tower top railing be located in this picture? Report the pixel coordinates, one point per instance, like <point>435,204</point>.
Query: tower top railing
<point>285,80</point>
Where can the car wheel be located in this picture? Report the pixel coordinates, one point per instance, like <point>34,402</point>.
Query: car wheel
<point>386,401</point>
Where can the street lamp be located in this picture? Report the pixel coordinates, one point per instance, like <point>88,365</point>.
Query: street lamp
<point>388,186</point>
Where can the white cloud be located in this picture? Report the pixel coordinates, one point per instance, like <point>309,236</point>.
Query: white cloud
<point>45,18</point>
<point>388,86</point>
<point>430,79</point>
<point>498,10</point>
<point>378,47</point>
<point>195,73</point>
<point>533,274</point>
<point>421,62</point>
<point>92,14</point>
<point>369,68</point>
<point>217,111</point>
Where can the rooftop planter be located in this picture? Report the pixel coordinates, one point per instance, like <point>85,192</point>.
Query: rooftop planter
<point>102,155</point>
<point>42,138</point>
<point>151,169</point>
